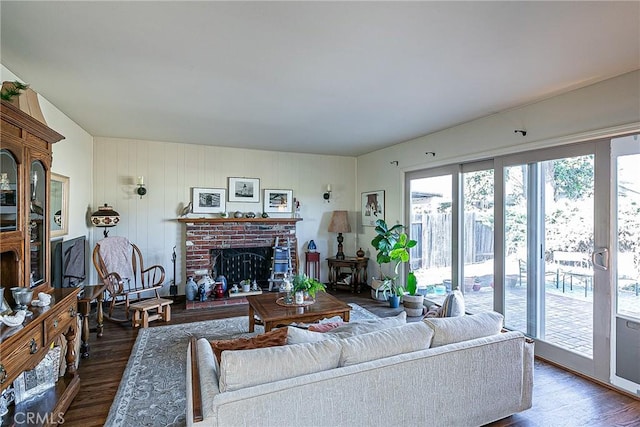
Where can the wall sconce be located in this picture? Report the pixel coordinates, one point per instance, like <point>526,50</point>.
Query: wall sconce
<point>141,190</point>
<point>327,194</point>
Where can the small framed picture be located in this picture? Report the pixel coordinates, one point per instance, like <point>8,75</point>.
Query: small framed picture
<point>278,201</point>
<point>209,200</point>
<point>244,190</point>
<point>372,207</point>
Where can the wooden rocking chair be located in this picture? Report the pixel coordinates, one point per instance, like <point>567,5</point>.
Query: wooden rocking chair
<point>120,267</point>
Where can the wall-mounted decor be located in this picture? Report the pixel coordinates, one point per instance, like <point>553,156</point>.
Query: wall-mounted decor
<point>59,205</point>
<point>278,201</point>
<point>244,190</point>
<point>208,200</point>
<point>372,207</point>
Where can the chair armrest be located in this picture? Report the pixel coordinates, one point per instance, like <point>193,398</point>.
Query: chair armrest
<point>153,276</point>
<point>195,382</point>
<point>113,283</point>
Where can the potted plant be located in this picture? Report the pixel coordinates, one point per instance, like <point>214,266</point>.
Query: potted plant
<point>307,286</point>
<point>393,245</point>
<point>413,301</point>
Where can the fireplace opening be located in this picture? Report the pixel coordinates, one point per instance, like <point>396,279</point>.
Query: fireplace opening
<point>243,263</point>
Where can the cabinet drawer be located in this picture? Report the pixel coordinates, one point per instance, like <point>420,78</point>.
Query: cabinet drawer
<point>59,321</point>
<point>16,357</point>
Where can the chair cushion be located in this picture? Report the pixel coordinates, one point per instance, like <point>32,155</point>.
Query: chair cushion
<point>449,330</point>
<point>385,343</point>
<point>272,338</point>
<point>297,335</point>
<point>246,368</point>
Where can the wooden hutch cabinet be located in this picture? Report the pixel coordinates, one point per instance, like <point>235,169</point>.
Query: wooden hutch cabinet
<point>25,175</point>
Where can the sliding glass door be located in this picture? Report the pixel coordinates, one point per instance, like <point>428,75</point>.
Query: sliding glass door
<point>550,238</point>
<point>625,265</point>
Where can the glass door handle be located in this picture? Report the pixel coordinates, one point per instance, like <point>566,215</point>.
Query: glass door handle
<point>600,258</point>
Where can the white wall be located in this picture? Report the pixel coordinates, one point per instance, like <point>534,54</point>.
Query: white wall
<point>597,110</point>
<point>72,157</point>
<point>172,169</point>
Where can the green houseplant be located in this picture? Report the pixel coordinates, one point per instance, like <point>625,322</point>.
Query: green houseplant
<point>393,245</point>
<point>303,283</point>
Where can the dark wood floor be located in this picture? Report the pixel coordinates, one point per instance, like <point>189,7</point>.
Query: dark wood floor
<point>560,398</point>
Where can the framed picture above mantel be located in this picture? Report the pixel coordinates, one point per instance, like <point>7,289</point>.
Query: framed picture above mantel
<point>244,190</point>
<point>278,201</point>
<point>208,200</point>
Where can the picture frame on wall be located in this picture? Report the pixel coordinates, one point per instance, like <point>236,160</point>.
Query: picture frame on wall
<point>209,200</point>
<point>244,190</point>
<point>373,207</point>
<point>278,201</point>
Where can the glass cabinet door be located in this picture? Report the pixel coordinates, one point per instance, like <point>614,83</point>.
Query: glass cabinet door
<point>8,191</point>
<point>37,223</point>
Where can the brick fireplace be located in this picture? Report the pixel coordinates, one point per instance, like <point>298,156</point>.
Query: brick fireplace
<point>206,235</point>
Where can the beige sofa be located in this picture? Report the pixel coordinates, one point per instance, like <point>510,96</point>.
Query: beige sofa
<point>450,371</point>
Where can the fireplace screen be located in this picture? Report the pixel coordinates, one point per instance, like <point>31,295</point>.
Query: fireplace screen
<point>242,264</point>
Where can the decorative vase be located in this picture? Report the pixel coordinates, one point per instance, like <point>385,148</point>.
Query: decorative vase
<point>223,280</point>
<point>360,253</point>
<point>299,297</point>
<point>219,290</point>
<point>394,301</point>
<point>191,289</point>
<point>208,282</point>
<point>311,247</point>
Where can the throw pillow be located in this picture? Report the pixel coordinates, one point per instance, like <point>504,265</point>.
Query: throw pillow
<point>449,330</point>
<point>324,327</point>
<point>297,335</point>
<point>247,368</point>
<point>272,338</point>
<point>385,343</point>
<point>453,305</point>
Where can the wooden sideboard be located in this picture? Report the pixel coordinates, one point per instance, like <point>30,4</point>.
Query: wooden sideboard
<point>23,347</point>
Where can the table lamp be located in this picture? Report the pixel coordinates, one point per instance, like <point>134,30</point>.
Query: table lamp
<point>339,224</point>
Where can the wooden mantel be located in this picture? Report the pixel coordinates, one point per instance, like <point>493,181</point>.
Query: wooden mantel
<point>219,220</point>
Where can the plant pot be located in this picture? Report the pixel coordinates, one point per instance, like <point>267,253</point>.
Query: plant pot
<point>394,301</point>
<point>413,304</point>
<point>376,284</point>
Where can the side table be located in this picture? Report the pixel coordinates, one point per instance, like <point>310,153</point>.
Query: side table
<point>90,293</point>
<point>312,262</point>
<point>356,267</point>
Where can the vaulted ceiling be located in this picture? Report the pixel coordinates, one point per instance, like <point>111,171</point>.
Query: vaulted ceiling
<point>340,78</point>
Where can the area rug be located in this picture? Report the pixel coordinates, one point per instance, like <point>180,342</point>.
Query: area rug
<point>153,387</point>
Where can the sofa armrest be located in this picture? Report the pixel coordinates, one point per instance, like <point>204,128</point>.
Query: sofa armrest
<point>196,395</point>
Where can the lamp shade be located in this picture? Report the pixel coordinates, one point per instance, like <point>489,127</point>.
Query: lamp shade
<point>105,216</point>
<point>339,222</point>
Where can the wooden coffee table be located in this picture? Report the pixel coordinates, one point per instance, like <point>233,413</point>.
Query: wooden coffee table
<point>273,314</point>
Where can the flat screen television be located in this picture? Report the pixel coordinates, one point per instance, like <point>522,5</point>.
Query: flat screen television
<point>69,262</point>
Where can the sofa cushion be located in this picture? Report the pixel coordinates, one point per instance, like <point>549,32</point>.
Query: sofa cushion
<point>448,330</point>
<point>453,305</point>
<point>297,335</point>
<point>268,339</point>
<point>385,343</point>
<point>246,368</point>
